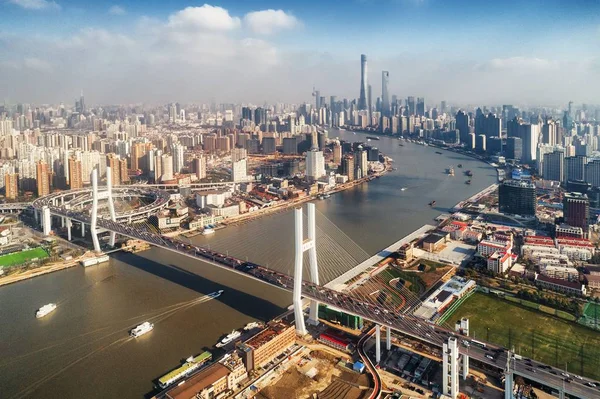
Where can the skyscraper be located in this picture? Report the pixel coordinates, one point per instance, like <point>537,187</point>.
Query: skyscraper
<point>315,164</point>
<point>42,179</point>
<point>75,174</point>
<point>420,110</point>
<point>11,185</point>
<point>514,148</point>
<point>362,99</point>
<point>385,95</point>
<point>410,103</point>
<point>575,168</point>
<point>576,210</point>
<point>517,197</point>
<point>462,124</point>
<point>553,166</point>
<point>592,172</point>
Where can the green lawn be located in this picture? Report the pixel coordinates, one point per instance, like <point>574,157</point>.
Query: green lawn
<point>532,333</point>
<point>592,310</point>
<point>415,283</point>
<point>18,258</point>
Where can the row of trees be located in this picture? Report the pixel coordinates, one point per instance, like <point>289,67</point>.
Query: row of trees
<point>565,304</point>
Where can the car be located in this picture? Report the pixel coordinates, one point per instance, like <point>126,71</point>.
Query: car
<point>565,374</point>
<point>490,357</point>
<point>568,380</point>
<point>578,377</point>
<point>591,384</point>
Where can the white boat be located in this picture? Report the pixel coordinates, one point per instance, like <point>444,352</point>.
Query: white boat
<point>229,338</point>
<point>44,310</point>
<point>142,329</point>
<point>95,260</point>
<point>208,231</point>
<point>215,294</point>
<point>252,325</point>
<point>403,189</point>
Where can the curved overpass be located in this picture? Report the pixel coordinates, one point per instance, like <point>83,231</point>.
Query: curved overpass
<point>78,198</point>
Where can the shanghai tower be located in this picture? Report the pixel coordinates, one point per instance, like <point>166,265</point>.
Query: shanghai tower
<point>362,100</point>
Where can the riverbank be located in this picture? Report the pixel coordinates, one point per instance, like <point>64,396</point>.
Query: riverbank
<point>38,271</point>
<point>285,205</point>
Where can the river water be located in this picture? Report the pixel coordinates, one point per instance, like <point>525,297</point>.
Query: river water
<point>83,348</point>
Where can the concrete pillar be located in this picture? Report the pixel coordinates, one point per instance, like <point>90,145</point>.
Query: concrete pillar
<point>314,268</point>
<point>377,343</point>
<point>69,224</point>
<point>93,227</point>
<point>82,229</point>
<point>450,368</point>
<point>36,215</point>
<point>62,221</point>
<point>297,293</point>
<point>508,386</point>
<point>388,338</point>
<point>46,220</point>
<point>462,327</point>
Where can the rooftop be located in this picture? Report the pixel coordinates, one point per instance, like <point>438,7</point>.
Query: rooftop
<point>198,382</point>
<point>273,329</point>
<point>557,281</point>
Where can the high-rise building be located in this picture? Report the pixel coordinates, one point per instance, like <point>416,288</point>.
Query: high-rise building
<point>549,133</point>
<point>348,167</point>
<point>115,168</point>
<point>177,152</point>
<point>361,164</point>
<point>11,184</point>
<point>268,145</point>
<point>410,104</point>
<point>530,135</point>
<point>362,99</point>
<point>75,174</point>
<point>462,124</point>
<point>337,152</point>
<point>517,197</point>
<point>385,95</point>
<point>200,167</point>
<point>576,211</point>
<point>553,166</point>
<point>290,146</point>
<point>575,168</point>
<point>138,150</point>
<point>592,172</point>
<point>239,170</point>
<point>514,148</point>
<point>480,143</point>
<point>42,178</point>
<point>315,165</point>
<point>166,164</point>
<point>420,108</point>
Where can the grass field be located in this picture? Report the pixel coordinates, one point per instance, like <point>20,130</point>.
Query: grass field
<point>532,333</point>
<point>18,258</point>
<point>592,310</point>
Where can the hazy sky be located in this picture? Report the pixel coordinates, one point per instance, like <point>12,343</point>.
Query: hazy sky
<point>469,52</point>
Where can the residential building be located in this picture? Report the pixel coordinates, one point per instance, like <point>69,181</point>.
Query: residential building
<point>266,345</point>
<point>576,211</point>
<point>517,197</point>
<point>566,287</point>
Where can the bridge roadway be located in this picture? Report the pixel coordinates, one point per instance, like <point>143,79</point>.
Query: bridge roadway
<point>404,323</point>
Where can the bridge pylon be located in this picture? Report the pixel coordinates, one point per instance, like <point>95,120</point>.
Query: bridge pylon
<point>111,204</point>
<point>93,227</point>
<point>301,246</point>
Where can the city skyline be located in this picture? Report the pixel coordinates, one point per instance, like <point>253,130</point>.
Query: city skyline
<point>130,52</point>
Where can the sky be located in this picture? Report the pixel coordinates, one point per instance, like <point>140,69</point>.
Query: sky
<point>528,52</point>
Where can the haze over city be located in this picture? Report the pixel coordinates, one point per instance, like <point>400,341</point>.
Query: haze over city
<point>533,52</point>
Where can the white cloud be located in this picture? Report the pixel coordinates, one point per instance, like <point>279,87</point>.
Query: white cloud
<point>205,18</point>
<point>36,4</point>
<point>270,21</point>
<point>519,63</point>
<point>37,64</point>
<point>117,10</point>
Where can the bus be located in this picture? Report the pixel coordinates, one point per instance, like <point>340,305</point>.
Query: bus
<point>478,343</point>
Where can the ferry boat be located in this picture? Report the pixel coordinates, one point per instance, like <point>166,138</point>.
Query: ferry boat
<point>191,364</point>
<point>468,181</point>
<point>94,261</point>
<point>438,152</point>
<point>432,203</point>
<point>403,189</point>
<point>142,329</point>
<point>459,165</point>
<point>215,294</point>
<point>469,173</point>
<point>401,145</point>
<point>372,138</point>
<point>233,335</point>
<point>252,325</point>
<point>44,310</point>
<point>450,171</point>
<point>208,231</point>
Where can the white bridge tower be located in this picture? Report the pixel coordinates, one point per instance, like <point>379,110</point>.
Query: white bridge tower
<point>302,246</point>
<point>111,206</point>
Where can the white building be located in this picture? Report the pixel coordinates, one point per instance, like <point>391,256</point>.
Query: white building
<point>239,170</point>
<point>315,165</point>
